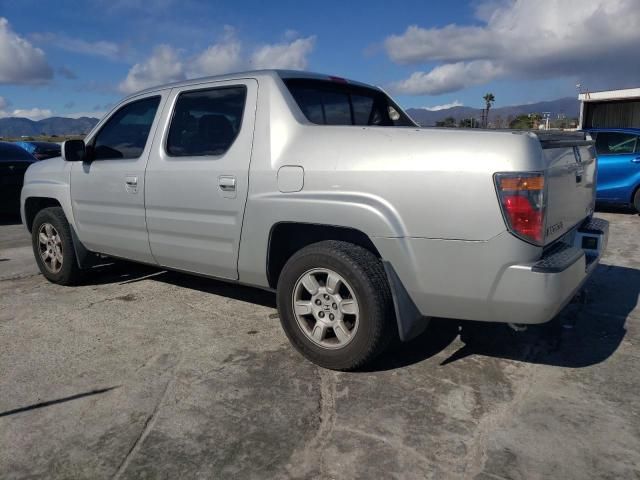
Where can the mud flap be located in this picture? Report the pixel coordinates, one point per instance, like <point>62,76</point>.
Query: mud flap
<point>411,322</point>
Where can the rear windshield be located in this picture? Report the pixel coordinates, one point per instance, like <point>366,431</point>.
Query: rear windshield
<point>10,152</point>
<point>333,103</point>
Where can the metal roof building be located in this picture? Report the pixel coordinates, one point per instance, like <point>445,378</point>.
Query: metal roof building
<point>610,109</point>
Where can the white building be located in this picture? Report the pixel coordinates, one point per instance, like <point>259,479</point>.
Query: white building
<point>610,109</point>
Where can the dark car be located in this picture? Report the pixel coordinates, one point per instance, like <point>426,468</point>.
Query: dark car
<point>41,150</point>
<point>14,161</point>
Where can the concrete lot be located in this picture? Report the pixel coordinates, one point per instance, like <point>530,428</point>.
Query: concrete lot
<point>147,374</point>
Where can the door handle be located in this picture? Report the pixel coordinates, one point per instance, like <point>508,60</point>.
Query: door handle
<point>131,181</point>
<point>636,160</point>
<point>227,183</point>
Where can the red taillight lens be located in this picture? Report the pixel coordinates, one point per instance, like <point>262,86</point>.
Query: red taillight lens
<point>522,201</point>
<point>523,218</point>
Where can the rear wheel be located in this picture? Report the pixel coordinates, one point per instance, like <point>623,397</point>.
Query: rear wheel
<point>335,304</point>
<point>636,200</point>
<point>53,247</point>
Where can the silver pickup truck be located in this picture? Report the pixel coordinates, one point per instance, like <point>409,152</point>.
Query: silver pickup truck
<point>325,190</point>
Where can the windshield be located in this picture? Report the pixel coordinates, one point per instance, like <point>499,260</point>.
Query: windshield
<point>338,103</point>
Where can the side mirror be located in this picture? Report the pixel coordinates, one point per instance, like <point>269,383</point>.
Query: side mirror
<point>74,151</point>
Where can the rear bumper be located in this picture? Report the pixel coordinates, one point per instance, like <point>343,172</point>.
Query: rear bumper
<point>535,293</point>
<point>500,280</point>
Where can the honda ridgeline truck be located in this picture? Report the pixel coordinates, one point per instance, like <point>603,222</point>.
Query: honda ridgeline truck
<point>325,191</point>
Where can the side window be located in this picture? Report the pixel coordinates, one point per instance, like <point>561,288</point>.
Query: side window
<point>608,143</point>
<point>326,102</point>
<point>125,134</point>
<point>206,122</point>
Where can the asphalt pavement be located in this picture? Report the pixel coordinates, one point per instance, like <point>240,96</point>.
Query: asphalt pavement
<point>141,373</point>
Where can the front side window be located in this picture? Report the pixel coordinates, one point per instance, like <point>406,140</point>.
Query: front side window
<point>125,134</point>
<point>336,103</point>
<point>611,143</point>
<point>206,122</point>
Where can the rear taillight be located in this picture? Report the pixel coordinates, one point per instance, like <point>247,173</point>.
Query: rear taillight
<point>523,204</point>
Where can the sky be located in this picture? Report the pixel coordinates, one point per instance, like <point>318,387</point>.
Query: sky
<point>78,58</point>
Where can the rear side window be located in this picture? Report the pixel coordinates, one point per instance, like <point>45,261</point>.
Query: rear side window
<point>206,122</point>
<point>608,143</point>
<point>125,134</point>
<point>334,103</point>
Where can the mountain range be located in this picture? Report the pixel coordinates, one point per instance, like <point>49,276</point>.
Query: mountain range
<point>18,127</point>
<point>569,107</point>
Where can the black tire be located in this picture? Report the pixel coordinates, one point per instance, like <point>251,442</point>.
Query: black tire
<point>69,273</point>
<point>636,200</point>
<point>366,276</point>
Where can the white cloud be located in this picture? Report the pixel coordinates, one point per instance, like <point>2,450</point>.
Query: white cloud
<point>596,40</point>
<point>163,66</point>
<point>30,113</point>
<point>166,64</point>
<point>291,55</point>
<point>20,62</point>
<point>219,58</point>
<point>448,78</point>
<point>435,108</point>
<point>92,114</point>
<point>100,48</point>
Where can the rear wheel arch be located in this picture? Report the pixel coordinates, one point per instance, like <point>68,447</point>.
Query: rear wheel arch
<point>286,238</point>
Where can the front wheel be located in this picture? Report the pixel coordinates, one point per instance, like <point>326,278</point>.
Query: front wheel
<point>335,304</point>
<point>636,200</point>
<point>53,247</point>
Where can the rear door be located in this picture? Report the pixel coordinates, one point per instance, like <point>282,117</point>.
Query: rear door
<point>618,162</point>
<point>197,177</point>
<point>108,193</point>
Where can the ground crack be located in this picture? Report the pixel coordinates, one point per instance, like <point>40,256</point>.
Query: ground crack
<point>312,455</point>
<point>147,427</point>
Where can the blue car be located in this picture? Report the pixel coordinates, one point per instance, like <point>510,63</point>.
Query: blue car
<point>618,152</point>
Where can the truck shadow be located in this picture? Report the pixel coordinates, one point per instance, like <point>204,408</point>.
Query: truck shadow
<point>123,272</point>
<point>586,332</point>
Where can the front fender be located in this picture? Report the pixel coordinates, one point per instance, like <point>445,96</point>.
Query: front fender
<point>48,179</point>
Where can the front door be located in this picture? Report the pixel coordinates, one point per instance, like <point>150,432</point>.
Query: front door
<point>197,177</point>
<point>108,192</point>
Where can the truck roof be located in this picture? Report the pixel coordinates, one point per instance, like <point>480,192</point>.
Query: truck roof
<point>273,73</point>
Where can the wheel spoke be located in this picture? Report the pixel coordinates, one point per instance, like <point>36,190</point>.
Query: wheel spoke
<point>333,282</point>
<point>349,307</point>
<point>341,331</point>
<point>42,238</point>
<point>319,331</point>
<point>303,307</point>
<point>48,230</point>
<point>310,283</point>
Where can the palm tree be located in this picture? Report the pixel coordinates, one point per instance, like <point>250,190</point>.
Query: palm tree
<point>489,98</point>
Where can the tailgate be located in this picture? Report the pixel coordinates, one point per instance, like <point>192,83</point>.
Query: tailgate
<point>571,181</point>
